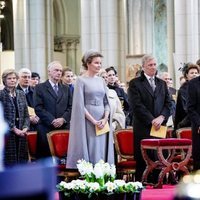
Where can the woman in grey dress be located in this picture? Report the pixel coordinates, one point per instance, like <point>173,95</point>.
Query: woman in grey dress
<point>90,108</point>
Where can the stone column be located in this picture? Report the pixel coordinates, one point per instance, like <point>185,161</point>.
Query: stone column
<point>103,28</point>
<point>122,40</point>
<point>134,27</point>
<point>68,44</point>
<point>33,34</point>
<point>71,45</point>
<point>170,36</point>
<point>140,26</point>
<point>21,34</point>
<point>90,24</point>
<point>186,33</point>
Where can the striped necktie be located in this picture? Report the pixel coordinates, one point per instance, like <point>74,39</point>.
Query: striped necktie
<point>55,87</point>
<point>152,83</point>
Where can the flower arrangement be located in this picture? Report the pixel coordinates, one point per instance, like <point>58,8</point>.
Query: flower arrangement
<point>96,180</point>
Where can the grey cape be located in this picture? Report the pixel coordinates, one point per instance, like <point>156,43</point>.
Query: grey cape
<point>89,93</point>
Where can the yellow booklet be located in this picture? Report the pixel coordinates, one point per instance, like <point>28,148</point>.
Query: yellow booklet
<point>31,111</point>
<point>104,130</point>
<point>161,133</point>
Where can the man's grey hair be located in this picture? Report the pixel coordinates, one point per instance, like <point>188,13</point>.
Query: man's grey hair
<point>147,58</point>
<point>51,64</point>
<point>24,71</point>
<point>163,74</point>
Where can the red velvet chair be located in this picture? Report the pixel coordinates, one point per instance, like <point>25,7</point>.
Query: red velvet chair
<point>58,144</point>
<point>124,146</point>
<point>185,133</point>
<point>170,131</point>
<point>32,143</point>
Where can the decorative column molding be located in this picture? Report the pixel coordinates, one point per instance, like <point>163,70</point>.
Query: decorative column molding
<point>170,37</point>
<point>140,26</point>
<point>90,24</point>
<point>192,30</point>
<point>186,33</point>
<point>33,34</point>
<point>68,44</point>
<point>103,28</point>
<point>21,36</point>
<point>122,40</point>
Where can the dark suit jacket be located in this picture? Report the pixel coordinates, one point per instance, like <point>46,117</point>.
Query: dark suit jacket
<point>194,114</point>
<point>29,99</point>
<point>146,105</point>
<point>49,106</point>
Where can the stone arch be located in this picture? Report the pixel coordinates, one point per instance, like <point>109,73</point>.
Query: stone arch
<point>60,13</point>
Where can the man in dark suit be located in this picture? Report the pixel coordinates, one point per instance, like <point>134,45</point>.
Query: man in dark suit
<point>53,103</point>
<point>151,105</point>
<point>24,85</point>
<point>194,114</point>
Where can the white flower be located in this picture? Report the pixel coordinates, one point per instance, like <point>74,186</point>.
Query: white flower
<point>95,178</point>
<point>101,161</point>
<point>137,185</point>
<point>98,171</point>
<point>106,168</point>
<point>77,184</point>
<point>94,186</point>
<point>113,171</point>
<point>110,186</point>
<point>120,183</point>
<point>63,184</point>
<point>85,167</point>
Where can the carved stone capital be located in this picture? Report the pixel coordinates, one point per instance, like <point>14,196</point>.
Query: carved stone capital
<point>69,41</point>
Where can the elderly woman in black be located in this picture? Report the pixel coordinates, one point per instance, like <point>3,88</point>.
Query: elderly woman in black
<point>17,117</point>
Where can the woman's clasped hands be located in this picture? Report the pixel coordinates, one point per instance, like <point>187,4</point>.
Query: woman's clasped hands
<point>101,123</point>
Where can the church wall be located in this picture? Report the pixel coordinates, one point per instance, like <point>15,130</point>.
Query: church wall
<point>7,61</point>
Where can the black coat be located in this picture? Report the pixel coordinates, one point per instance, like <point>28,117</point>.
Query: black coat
<point>29,99</point>
<point>194,114</point>
<point>146,106</point>
<point>122,96</point>
<point>181,116</point>
<point>48,106</point>
<point>15,143</point>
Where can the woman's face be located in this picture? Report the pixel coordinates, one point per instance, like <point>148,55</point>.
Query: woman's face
<point>105,77</point>
<point>192,73</point>
<point>111,77</point>
<point>68,77</point>
<point>11,81</point>
<point>95,65</point>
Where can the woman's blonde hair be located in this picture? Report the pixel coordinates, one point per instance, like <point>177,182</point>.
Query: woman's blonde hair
<point>6,73</point>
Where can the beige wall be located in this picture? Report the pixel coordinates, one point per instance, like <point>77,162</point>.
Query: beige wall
<point>7,60</point>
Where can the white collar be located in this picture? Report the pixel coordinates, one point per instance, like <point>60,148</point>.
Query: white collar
<point>52,84</point>
<point>148,77</point>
